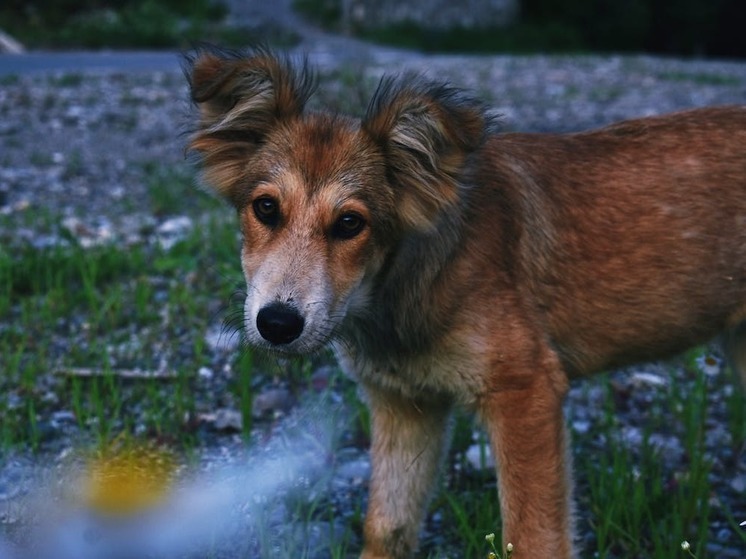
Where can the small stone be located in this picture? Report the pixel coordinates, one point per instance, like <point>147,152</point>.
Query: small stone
<point>739,484</point>
<point>356,471</point>
<point>63,416</point>
<point>88,235</point>
<point>272,400</point>
<point>479,457</point>
<point>667,447</point>
<point>227,419</point>
<point>647,379</point>
<point>219,338</point>
<point>321,377</point>
<point>581,426</point>
<point>631,436</point>
<point>709,365</point>
<point>173,230</point>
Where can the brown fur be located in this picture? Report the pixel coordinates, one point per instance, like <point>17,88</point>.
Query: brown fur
<point>483,269</point>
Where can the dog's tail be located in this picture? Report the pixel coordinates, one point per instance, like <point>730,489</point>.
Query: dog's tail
<point>735,349</point>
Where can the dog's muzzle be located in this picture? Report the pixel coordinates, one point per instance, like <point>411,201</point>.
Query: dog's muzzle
<point>279,323</point>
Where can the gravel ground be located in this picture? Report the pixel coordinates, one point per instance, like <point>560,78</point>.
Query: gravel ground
<point>78,145</point>
<point>75,143</point>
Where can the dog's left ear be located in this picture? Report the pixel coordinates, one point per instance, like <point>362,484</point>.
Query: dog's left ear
<point>426,131</point>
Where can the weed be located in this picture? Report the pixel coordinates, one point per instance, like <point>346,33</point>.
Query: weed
<point>41,159</point>
<point>74,165</point>
<point>494,553</point>
<point>171,192</point>
<point>640,507</point>
<point>243,368</point>
<point>131,23</point>
<point>68,79</point>
<point>700,78</point>
<point>687,548</point>
<point>9,80</point>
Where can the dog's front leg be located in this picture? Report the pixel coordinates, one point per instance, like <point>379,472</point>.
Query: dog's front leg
<point>408,442</point>
<point>526,425</point>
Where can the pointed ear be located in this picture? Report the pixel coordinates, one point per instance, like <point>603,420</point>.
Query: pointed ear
<point>241,98</point>
<point>427,131</point>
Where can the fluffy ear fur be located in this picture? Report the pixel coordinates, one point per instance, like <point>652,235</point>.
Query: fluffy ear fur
<point>241,97</point>
<point>427,131</point>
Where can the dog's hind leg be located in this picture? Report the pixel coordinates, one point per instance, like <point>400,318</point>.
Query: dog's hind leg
<point>734,342</point>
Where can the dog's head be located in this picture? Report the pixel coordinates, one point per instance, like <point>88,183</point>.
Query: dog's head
<point>322,199</point>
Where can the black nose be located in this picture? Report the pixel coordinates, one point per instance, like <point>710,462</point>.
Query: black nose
<point>279,324</point>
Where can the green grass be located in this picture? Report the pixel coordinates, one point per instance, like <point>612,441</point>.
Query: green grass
<point>701,78</point>
<point>637,506</point>
<point>639,509</point>
<point>635,503</point>
<point>111,307</point>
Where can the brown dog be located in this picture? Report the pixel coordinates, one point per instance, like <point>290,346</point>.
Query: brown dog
<point>448,264</point>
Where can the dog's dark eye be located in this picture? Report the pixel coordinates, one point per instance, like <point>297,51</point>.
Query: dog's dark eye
<point>348,226</point>
<point>267,211</point>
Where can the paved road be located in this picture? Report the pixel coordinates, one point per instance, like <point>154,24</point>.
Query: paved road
<point>46,62</point>
<point>324,50</point>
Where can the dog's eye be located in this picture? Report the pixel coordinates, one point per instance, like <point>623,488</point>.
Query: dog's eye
<point>266,210</point>
<point>348,226</point>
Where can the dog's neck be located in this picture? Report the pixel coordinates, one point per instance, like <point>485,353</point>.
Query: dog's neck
<point>401,319</point>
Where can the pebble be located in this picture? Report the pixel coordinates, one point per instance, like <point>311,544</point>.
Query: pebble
<point>173,230</point>
<point>738,484</point>
<point>581,426</point>
<point>227,419</point>
<point>272,400</point>
<point>355,471</point>
<point>63,416</point>
<point>479,457</point>
<point>220,339</point>
<point>648,379</point>
<point>320,378</point>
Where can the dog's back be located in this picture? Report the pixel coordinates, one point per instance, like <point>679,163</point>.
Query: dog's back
<point>632,239</point>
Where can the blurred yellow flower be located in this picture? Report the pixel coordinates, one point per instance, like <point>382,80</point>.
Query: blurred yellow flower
<point>128,480</point>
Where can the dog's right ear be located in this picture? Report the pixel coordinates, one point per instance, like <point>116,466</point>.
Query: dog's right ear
<point>241,98</point>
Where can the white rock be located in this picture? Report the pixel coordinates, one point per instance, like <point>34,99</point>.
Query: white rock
<point>739,485</point>
<point>227,419</point>
<point>480,457</point>
<point>641,378</point>
<point>356,471</point>
<point>218,338</point>
<point>173,230</point>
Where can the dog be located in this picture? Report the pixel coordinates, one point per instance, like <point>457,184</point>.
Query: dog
<point>451,265</point>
